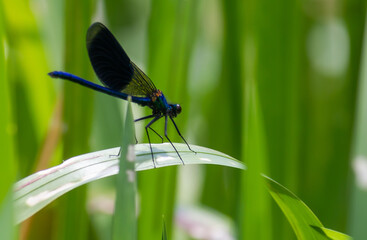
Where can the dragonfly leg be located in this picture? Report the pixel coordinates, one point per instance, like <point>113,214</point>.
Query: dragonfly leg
<point>146,130</point>
<point>178,131</point>
<point>156,133</point>
<point>139,119</point>
<point>136,140</point>
<point>146,117</point>
<point>116,155</point>
<point>165,134</point>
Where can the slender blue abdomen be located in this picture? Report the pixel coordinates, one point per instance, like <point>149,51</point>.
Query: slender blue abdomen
<point>144,101</point>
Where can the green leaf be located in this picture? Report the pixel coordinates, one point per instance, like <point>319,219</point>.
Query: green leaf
<point>8,167</point>
<point>77,107</point>
<point>124,224</point>
<point>37,190</point>
<point>6,217</point>
<point>302,219</point>
<point>32,93</point>
<point>164,231</point>
<point>357,217</point>
<point>331,234</point>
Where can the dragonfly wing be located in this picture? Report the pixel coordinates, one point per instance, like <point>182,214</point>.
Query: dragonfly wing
<point>109,60</point>
<point>140,85</point>
<point>112,65</point>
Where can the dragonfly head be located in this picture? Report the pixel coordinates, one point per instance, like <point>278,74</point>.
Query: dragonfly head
<point>174,110</point>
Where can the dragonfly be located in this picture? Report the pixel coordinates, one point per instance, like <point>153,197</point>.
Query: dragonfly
<point>123,79</point>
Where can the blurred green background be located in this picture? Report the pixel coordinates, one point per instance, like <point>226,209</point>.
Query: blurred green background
<point>277,85</point>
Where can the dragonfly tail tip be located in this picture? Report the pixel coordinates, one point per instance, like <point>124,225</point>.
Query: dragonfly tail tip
<point>52,74</point>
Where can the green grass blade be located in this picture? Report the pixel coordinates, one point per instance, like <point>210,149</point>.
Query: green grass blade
<point>32,91</point>
<point>77,112</point>
<point>331,234</point>
<point>256,222</point>
<point>164,231</point>
<point>222,103</point>
<point>7,170</point>
<point>37,190</point>
<point>6,218</point>
<point>124,224</point>
<point>301,218</point>
<point>358,212</point>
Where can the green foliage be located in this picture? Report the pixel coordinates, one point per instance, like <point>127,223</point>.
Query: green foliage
<point>36,191</point>
<point>358,213</point>
<point>7,170</point>
<point>277,85</point>
<point>77,107</point>
<point>124,225</point>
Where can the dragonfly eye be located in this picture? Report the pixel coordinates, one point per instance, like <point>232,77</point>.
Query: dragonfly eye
<point>178,108</point>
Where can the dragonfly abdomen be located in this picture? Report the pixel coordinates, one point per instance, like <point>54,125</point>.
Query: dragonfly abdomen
<point>143,101</point>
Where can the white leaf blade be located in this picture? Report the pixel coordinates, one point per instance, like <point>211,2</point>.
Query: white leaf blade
<point>37,190</point>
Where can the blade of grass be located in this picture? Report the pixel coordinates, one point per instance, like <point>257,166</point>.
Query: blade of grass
<point>273,50</point>
<point>303,221</point>
<point>358,213</point>
<point>39,189</point>
<point>224,106</point>
<point>124,224</point>
<point>7,228</point>
<point>256,222</point>
<point>164,231</point>
<point>33,94</point>
<point>331,234</point>
<point>78,103</point>
<point>7,170</point>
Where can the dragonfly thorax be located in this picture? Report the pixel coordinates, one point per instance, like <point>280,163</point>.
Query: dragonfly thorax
<point>160,105</point>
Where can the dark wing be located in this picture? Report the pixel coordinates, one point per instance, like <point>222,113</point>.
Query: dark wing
<point>109,60</point>
<point>112,65</point>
